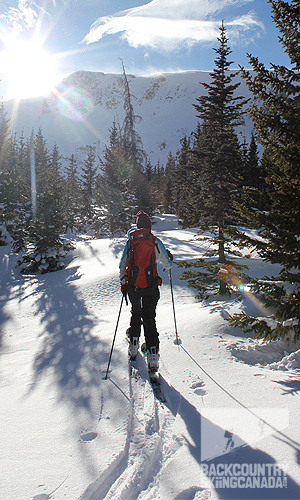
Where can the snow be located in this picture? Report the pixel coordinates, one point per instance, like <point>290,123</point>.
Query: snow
<point>229,428</point>
<point>81,111</point>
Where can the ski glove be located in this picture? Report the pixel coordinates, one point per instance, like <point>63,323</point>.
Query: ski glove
<point>170,255</point>
<point>124,289</point>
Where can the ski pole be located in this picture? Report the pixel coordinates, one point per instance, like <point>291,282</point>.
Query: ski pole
<point>171,285</point>
<point>113,342</point>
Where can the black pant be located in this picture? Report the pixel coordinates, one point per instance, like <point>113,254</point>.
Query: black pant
<point>144,302</point>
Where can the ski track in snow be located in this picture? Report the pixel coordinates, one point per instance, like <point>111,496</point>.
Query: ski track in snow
<point>86,440</point>
<point>149,446</point>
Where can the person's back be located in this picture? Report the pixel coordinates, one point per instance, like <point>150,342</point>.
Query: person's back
<point>142,270</point>
<point>140,281</point>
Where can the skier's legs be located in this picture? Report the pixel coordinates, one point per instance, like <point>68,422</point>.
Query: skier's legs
<point>136,312</point>
<point>149,303</point>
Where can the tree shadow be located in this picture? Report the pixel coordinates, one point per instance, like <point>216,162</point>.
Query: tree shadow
<point>69,348</point>
<point>292,385</point>
<point>117,246</point>
<point>4,316</point>
<point>12,285</point>
<point>245,456</point>
<point>72,357</point>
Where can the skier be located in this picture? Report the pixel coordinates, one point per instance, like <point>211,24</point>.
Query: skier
<point>140,281</point>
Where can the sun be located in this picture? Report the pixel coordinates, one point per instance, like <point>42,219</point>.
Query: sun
<point>28,69</point>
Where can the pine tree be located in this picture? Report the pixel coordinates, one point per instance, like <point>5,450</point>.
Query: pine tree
<point>276,113</point>
<point>88,182</point>
<point>253,175</point>
<point>115,171</point>
<point>185,187</point>
<point>72,195</point>
<point>22,207</point>
<point>168,200</point>
<point>5,129</point>
<point>45,247</point>
<point>216,163</point>
<point>13,186</point>
<point>113,185</point>
<point>134,153</point>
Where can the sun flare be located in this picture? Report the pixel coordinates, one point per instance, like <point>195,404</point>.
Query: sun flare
<point>27,68</point>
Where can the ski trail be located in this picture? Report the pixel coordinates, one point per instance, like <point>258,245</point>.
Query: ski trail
<point>145,447</point>
<point>149,448</point>
<point>99,488</point>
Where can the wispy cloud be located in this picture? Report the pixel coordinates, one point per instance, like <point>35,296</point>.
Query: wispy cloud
<point>171,24</point>
<point>22,17</point>
<point>190,9</point>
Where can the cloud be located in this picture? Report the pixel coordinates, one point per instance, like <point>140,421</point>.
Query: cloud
<point>22,17</point>
<point>156,32</point>
<point>167,25</point>
<point>188,9</point>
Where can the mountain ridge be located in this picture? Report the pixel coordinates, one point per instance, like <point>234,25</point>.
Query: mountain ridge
<point>81,109</point>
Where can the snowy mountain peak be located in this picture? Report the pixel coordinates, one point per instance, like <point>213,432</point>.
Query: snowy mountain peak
<point>81,109</point>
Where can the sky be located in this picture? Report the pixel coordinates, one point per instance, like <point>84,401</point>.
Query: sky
<point>41,42</point>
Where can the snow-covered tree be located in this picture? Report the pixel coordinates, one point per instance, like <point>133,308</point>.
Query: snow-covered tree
<point>216,170</point>
<point>168,194</point>
<point>88,181</point>
<point>276,115</point>
<point>185,185</point>
<point>5,129</point>
<point>72,198</point>
<point>45,248</point>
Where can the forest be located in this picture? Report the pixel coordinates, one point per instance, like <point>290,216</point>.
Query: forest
<point>236,196</point>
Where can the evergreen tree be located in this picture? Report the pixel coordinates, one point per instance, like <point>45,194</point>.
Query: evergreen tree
<point>253,175</point>
<point>88,181</point>
<point>276,118</point>
<point>113,187</point>
<point>5,128</point>
<point>22,205</point>
<point>134,153</point>
<point>13,186</point>
<point>185,188</point>
<point>169,185</point>
<point>216,162</point>
<point>149,171</point>
<point>72,195</point>
<point>45,247</point>
<point>115,170</point>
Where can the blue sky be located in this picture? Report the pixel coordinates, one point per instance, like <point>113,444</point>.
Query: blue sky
<point>43,41</point>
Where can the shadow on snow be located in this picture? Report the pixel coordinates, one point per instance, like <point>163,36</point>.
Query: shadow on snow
<point>244,455</point>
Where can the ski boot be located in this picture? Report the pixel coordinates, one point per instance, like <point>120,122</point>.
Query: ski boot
<point>133,348</point>
<point>153,360</point>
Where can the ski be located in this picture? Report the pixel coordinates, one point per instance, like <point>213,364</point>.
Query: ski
<point>154,379</point>
<point>133,369</point>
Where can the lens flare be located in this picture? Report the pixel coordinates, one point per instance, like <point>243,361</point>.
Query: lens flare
<point>234,278</point>
<point>75,103</point>
<point>230,275</point>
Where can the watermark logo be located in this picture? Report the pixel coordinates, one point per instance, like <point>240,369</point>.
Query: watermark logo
<point>226,429</point>
<point>246,475</point>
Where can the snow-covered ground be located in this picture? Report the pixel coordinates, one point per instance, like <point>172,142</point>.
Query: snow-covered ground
<point>230,426</point>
